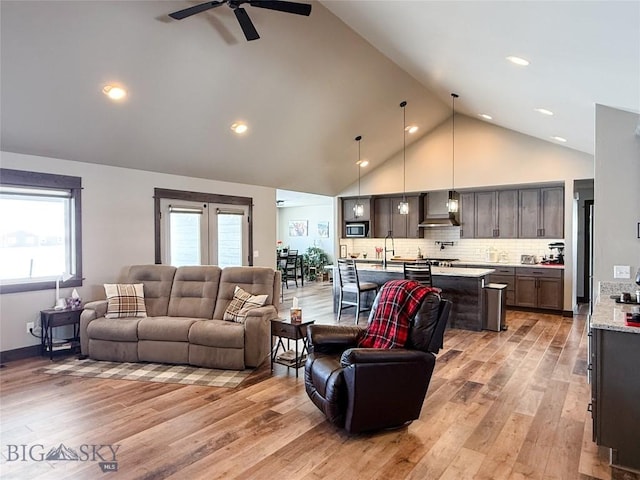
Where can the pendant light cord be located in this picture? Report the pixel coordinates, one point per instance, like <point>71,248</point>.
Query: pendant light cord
<point>404,152</point>
<point>358,138</point>
<point>453,140</point>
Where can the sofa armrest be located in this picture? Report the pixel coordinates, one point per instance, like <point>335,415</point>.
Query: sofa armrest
<point>257,328</point>
<point>90,312</point>
<point>332,339</point>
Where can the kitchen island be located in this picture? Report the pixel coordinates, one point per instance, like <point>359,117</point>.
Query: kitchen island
<point>463,286</point>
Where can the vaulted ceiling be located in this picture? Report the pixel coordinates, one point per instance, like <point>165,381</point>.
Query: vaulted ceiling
<point>307,87</point>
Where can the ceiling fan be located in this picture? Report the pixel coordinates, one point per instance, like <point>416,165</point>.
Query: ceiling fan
<point>241,14</point>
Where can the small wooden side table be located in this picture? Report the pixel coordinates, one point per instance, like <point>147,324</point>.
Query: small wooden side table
<point>295,331</point>
<point>50,319</point>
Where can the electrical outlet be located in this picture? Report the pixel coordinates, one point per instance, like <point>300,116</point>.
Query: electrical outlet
<point>621,271</point>
<point>29,327</point>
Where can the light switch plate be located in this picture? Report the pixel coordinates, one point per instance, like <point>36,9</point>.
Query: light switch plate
<point>621,271</point>
<point>256,253</point>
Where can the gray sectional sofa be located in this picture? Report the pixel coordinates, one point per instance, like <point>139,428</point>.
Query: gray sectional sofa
<point>185,307</point>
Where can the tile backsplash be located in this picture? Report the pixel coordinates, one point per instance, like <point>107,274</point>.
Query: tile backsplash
<point>467,249</point>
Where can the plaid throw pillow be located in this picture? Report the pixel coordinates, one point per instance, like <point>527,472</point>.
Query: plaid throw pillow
<point>125,300</point>
<point>241,304</point>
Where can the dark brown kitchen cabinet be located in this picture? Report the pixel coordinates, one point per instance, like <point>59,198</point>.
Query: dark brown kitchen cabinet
<point>541,213</point>
<point>348,214</point>
<point>496,214</point>
<point>507,276</point>
<point>539,288</point>
<point>387,217</point>
<point>467,215</point>
<point>615,393</point>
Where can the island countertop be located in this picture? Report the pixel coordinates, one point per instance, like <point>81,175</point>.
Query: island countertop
<point>609,315</point>
<point>435,271</point>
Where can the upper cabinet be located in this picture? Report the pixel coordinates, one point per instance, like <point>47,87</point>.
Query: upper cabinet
<point>496,214</point>
<point>387,218</point>
<point>524,213</point>
<point>348,214</point>
<point>467,215</point>
<point>510,213</point>
<point>541,212</point>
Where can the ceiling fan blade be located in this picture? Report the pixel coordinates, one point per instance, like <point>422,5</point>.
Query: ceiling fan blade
<point>288,7</point>
<point>187,12</point>
<point>246,24</point>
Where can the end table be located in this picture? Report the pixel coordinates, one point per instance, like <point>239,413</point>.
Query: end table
<point>291,331</point>
<point>50,319</point>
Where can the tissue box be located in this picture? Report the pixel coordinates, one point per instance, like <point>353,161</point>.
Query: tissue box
<point>296,315</point>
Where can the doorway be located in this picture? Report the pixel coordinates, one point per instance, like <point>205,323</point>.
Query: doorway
<point>202,229</point>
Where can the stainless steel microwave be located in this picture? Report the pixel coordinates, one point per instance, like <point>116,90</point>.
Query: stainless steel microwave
<point>355,230</point>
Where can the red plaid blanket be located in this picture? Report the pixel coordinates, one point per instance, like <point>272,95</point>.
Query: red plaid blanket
<point>399,301</point>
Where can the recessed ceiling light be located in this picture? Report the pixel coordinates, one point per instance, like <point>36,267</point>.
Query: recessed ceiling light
<point>239,127</point>
<point>559,139</point>
<point>518,61</point>
<point>485,116</point>
<point>114,92</point>
<point>411,128</point>
<point>544,111</point>
<point>362,163</point>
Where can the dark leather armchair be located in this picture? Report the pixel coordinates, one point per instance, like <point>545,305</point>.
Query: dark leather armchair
<point>364,389</point>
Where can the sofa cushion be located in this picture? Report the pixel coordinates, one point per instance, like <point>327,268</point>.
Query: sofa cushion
<point>171,329</point>
<point>120,330</point>
<point>217,333</point>
<point>125,300</point>
<point>241,304</point>
<point>255,280</point>
<point>194,291</point>
<point>157,280</point>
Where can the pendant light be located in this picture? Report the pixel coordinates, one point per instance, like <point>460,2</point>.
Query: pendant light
<point>358,208</point>
<point>403,206</point>
<point>453,202</point>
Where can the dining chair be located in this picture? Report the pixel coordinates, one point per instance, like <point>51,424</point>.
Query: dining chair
<point>350,284</point>
<point>418,271</point>
<point>290,268</point>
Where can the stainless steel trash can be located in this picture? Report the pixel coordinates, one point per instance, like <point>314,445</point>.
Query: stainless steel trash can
<point>495,307</point>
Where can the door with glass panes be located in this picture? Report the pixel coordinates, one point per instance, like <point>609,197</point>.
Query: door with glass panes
<point>196,233</point>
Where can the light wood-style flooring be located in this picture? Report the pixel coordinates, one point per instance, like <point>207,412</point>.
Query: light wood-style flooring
<point>509,405</point>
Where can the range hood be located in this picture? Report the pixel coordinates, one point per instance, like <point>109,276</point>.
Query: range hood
<point>436,211</point>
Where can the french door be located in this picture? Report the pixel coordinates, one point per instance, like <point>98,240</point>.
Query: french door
<point>198,233</point>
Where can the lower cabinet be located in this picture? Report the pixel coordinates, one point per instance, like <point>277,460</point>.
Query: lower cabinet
<point>505,275</point>
<point>615,391</point>
<point>539,288</point>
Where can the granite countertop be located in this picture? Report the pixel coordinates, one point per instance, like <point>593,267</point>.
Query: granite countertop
<point>435,271</point>
<point>609,315</point>
<point>456,263</point>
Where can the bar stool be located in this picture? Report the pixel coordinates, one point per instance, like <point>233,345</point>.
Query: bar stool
<point>349,283</point>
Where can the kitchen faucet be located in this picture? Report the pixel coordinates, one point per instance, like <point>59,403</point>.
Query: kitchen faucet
<point>393,249</point>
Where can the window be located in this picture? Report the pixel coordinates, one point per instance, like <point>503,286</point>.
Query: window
<point>40,231</point>
<point>202,228</point>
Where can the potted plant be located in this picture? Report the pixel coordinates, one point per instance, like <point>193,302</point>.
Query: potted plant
<point>315,260</point>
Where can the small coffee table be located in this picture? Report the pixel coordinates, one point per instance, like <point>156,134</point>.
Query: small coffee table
<point>295,331</point>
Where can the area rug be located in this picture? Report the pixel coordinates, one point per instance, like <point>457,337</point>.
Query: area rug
<point>149,372</point>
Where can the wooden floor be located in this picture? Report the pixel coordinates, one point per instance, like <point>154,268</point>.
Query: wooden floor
<point>510,405</point>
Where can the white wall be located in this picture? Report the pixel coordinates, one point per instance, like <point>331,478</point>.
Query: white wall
<point>313,214</point>
<point>616,193</point>
<point>118,230</point>
<point>485,155</point>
